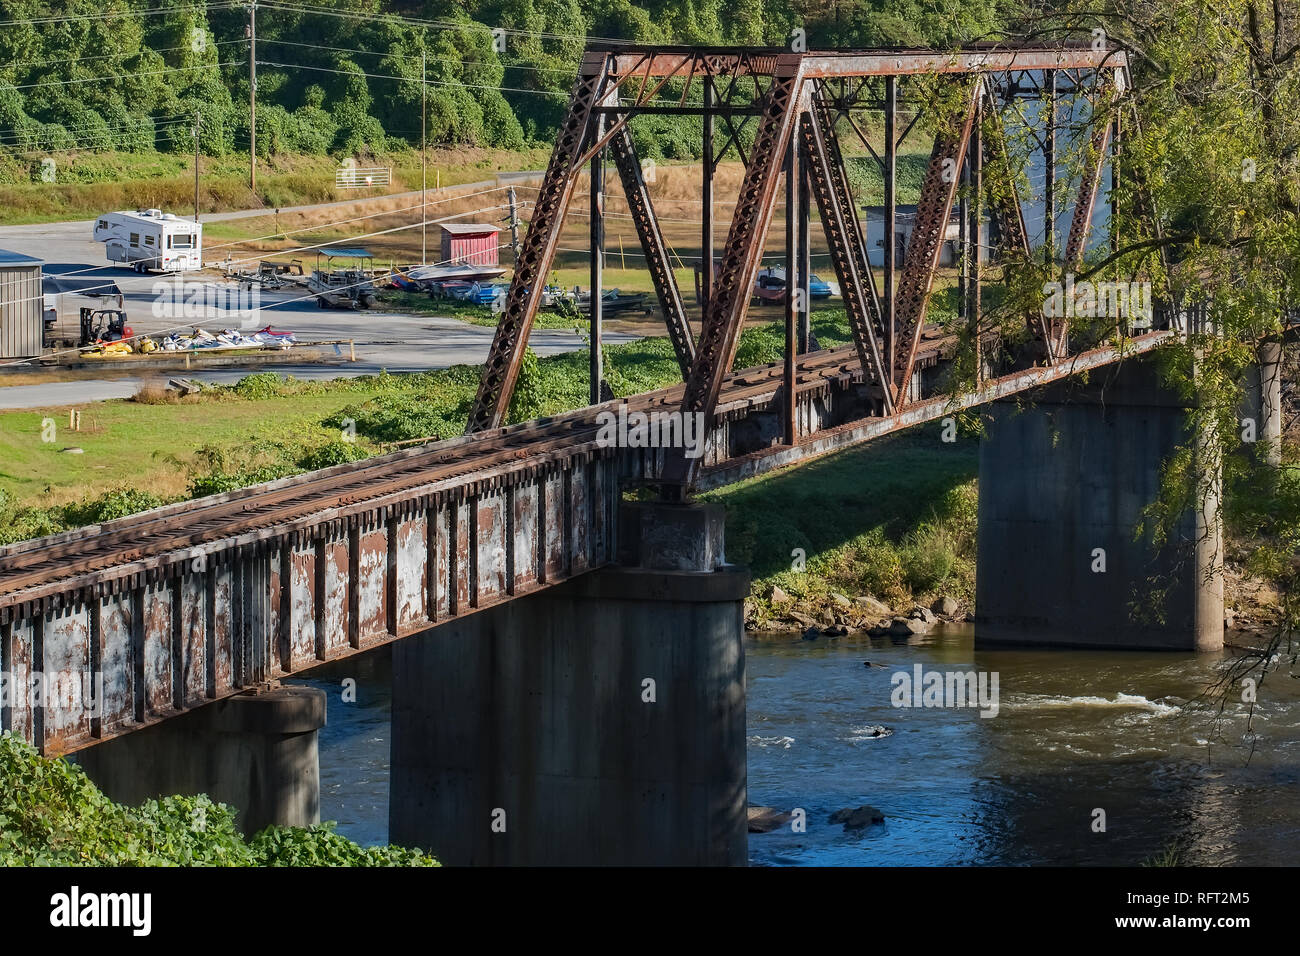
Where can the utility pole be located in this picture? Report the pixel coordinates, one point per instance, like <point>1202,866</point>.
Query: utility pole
<point>252,96</point>
<point>424,167</point>
<point>514,226</point>
<point>198,124</point>
<point>597,258</point>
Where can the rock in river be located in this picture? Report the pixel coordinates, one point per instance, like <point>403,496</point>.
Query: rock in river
<point>857,818</point>
<point>766,819</point>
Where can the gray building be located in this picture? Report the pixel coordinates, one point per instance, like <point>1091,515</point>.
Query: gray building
<point>21,334</point>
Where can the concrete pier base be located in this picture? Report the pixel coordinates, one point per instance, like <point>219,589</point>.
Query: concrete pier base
<point>598,723</point>
<point>256,752</point>
<point>1262,402</point>
<point>1063,487</point>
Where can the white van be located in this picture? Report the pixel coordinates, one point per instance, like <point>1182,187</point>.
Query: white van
<point>151,239</point>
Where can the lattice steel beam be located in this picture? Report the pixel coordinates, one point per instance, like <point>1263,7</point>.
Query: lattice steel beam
<point>537,251</point>
<point>938,190</point>
<point>843,235</point>
<point>656,250</point>
<point>725,314</point>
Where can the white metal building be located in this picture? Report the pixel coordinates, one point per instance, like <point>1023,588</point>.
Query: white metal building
<point>21,328</point>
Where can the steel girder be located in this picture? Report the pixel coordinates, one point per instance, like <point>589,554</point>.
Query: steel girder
<point>844,237</point>
<point>725,313</point>
<point>819,64</point>
<point>938,190</point>
<point>538,251</point>
<point>656,250</point>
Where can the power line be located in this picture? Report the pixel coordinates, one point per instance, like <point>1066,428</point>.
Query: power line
<point>124,76</point>
<point>408,79</point>
<point>302,8</point>
<point>113,15</point>
<point>124,56</point>
<point>408,56</point>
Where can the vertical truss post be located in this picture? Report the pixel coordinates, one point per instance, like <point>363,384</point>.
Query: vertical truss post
<point>538,251</point>
<point>1115,146</point>
<point>963,242</point>
<point>891,207</point>
<point>706,196</point>
<point>1049,165</point>
<point>741,256</point>
<point>655,248</point>
<point>976,212</point>
<point>847,248</point>
<point>938,190</point>
<point>1085,202</point>
<point>805,254</point>
<point>792,296</point>
<point>597,260</point>
<point>1004,199</point>
<point>1002,193</point>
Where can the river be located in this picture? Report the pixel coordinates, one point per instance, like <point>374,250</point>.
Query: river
<point>1075,733</point>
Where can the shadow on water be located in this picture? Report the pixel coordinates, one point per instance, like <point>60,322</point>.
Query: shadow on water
<point>354,744</point>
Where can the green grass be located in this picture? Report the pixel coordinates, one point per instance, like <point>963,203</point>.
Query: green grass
<point>136,445</point>
<point>88,182</point>
<point>894,519</point>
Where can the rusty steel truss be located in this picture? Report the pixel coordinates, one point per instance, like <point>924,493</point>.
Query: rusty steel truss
<point>778,111</point>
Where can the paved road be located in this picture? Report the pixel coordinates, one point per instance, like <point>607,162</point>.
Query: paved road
<point>156,304</point>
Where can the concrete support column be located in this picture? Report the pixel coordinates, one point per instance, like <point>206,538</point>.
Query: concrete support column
<point>1262,404</point>
<point>1063,488</point>
<point>598,723</point>
<point>255,752</point>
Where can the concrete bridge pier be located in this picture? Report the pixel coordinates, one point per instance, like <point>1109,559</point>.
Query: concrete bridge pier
<point>256,752</point>
<point>600,722</point>
<point>1063,487</point>
<point>1262,404</point>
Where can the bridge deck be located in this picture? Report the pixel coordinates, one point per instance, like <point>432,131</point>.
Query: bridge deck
<point>184,605</point>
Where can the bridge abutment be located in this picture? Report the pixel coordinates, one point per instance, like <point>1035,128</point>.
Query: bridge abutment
<point>599,722</point>
<point>256,752</point>
<point>1063,487</point>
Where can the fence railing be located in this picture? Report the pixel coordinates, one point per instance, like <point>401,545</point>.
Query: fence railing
<point>362,177</point>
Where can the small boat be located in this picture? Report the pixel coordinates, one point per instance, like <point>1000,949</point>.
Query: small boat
<point>613,301</point>
<point>426,277</point>
<point>352,287</point>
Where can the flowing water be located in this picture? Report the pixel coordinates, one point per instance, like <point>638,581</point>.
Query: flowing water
<point>1127,734</point>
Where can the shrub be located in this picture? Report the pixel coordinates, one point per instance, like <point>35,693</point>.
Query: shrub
<point>51,814</point>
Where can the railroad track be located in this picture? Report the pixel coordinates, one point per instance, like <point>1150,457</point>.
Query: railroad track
<point>191,524</point>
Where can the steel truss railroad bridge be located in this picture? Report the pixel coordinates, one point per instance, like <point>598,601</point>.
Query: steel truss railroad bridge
<point>197,601</point>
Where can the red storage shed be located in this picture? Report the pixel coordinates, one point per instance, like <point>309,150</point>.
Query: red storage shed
<point>471,244</point>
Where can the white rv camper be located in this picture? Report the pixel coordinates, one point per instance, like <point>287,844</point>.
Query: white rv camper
<point>151,239</point>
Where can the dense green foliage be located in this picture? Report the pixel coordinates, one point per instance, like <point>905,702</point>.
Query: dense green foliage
<point>51,814</point>
<point>342,76</point>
